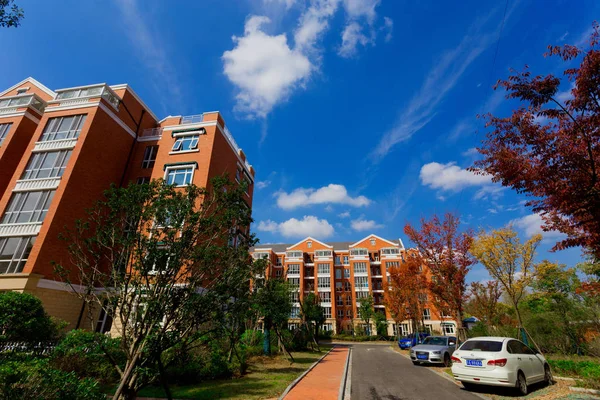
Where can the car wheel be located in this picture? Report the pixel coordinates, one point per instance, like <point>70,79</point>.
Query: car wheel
<point>548,379</point>
<point>468,386</point>
<point>447,361</point>
<point>521,384</point>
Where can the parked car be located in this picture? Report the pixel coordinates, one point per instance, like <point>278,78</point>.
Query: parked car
<point>499,361</point>
<point>434,350</point>
<point>411,340</point>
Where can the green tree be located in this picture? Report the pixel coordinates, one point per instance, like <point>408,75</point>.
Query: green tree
<point>273,304</point>
<point>365,311</point>
<point>163,258</point>
<point>381,324</point>
<point>312,314</point>
<point>10,16</point>
<point>23,318</point>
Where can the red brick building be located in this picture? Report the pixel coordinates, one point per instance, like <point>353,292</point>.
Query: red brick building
<point>59,151</point>
<point>341,273</point>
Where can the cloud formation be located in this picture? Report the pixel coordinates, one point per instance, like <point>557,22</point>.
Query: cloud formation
<point>450,177</point>
<point>309,225</point>
<point>360,225</point>
<point>532,225</point>
<point>330,194</point>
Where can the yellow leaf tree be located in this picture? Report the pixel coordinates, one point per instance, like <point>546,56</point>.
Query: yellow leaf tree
<point>508,260</point>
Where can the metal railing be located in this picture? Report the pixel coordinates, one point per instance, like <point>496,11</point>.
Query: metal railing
<point>192,119</point>
<point>150,132</point>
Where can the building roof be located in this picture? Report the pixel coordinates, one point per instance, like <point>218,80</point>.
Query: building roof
<point>282,247</point>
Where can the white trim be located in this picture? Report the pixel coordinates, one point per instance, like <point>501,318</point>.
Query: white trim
<point>148,138</point>
<point>33,81</point>
<point>80,87</point>
<point>167,117</point>
<point>189,133</point>
<point>31,117</point>
<point>72,107</point>
<point>375,236</point>
<point>183,152</point>
<point>189,126</point>
<point>25,113</point>
<point>61,286</point>
<point>134,94</point>
<point>181,166</point>
<point>310,238</point>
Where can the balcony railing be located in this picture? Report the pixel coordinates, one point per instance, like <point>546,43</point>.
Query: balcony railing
<point>192,119</point>
<point>82,94</point>
<point>151,132</point>
<point>11,104</point>
<point>20,229</point>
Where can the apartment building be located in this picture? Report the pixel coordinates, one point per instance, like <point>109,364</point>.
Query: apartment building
<point>341,274</point>
<point>60,149</point>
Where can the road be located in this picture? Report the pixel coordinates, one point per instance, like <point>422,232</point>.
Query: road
<point>379,373</point>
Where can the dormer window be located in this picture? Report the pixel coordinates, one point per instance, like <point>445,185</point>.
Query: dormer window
<point>309,244</point>
<point>372,242</point>
<point>359,252</point>
<point>22,90</point>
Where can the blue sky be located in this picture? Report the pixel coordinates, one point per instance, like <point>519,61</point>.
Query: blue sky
<point>358,115</point>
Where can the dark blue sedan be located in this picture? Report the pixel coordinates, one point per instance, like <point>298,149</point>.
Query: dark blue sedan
<point>411,340</point>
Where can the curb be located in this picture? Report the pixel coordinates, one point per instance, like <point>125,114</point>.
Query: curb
<point>295,382</point>
<point>345,386</point>
<point>583,390</point>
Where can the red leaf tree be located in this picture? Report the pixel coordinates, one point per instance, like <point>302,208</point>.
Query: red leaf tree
<point>549,149</point>
<point>445,251</point>
<point>483,302</point>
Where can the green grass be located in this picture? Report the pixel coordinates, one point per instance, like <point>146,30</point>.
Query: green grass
<point>585,369</point>
<point>266,378</point>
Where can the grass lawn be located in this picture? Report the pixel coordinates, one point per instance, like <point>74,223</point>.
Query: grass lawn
<point>266,378</point>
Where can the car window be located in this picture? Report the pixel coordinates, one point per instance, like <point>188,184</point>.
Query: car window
<point>436,341</point>
<point>513,347</point>
<point>525,349</point>
<point>481,345</point>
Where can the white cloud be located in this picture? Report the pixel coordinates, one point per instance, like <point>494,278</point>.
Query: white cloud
<point>345,214</point>
<point>329,208</point>
<point>532,225</point>
<point>565,95</point>
<point>450,177</point>
<point>388,27</point>
<point>360,225</point>
<point>288,3</point>
<point>361,8</point>
<point>309,225</point>
<point>351,38</point>
<point>262,184</point>
<point>470,152</point>
<point>330,194</point>
<point>313,23</point>
<point>564,36</point>
<point>489,192</point>
<point>264,68</point>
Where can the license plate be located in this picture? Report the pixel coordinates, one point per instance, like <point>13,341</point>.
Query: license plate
<point>474,363</point>
<point>422,356</point>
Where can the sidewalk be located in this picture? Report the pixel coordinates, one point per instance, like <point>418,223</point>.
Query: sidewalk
<point>323,381</point>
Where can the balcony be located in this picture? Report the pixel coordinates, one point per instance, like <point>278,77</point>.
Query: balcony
<point>36,184</point>
<point>9,105</point>
<point>192,119</point>
<point>61,144</point>
<point>23,229</point>
<point>83,94</point>
<point>151,134</point>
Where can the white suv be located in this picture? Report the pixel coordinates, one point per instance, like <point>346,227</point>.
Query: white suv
<point>499,361</point>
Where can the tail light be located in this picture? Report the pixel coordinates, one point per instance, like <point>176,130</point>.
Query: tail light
<point>455,359</point>
<point>497,363</point>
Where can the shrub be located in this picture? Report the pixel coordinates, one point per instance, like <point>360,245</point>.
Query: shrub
<point>200,362</point>
<point>325,334</point>
<point>252,337</point>
<point>36,379</point>
<point>85,354</point>
<point>22,318</point>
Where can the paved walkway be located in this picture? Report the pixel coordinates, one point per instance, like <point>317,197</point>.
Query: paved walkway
<point>323,381</point>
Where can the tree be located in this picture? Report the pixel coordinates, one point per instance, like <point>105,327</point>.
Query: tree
<point>548,148</point>
<point>163,259</point>
<point>10,17</point>
<point>445,251</point>
<point>380,323</point>
<point>22,318</point>
<point>312,314</point>
<point>365,311</point>
<point>402,293</point>
<point>273,304</point>
<point>508,261</point>
<point>483,302</point>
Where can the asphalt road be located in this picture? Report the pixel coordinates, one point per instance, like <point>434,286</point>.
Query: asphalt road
<point>379,373</point>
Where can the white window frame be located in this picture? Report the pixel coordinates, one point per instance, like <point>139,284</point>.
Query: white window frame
<point>17,261</point>
<point>323,253</point>
<point>294,254</point>
<point>51,131</point>
<point>390,251</point>
<point>324,282</point>
<point>36,161</point>
<point>338,273</point>
<point>340,313</point>
<point>359,252</point>
<point>4,129</point>
<point>426,314</point>
<point>14,210</point>
<point>325,297</point>
<point>293,269</point>
<point>362,268</point>
<point>149,159</point>
<point>323,269</point>
<point>327,312</point>
<point>181,138</point>
<point>170,168</point>
<point>345,260</point>
<point>448,328</point>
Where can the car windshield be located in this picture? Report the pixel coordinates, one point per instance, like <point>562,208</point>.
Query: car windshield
<point>481,345</point>
<point>436,341</point>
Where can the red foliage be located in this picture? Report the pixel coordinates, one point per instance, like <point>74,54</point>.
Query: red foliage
<point>550,150</point>
<point>445,251</point>
<point>401,294</point>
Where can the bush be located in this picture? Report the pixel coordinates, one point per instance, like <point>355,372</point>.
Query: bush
<point>325,334</point>
<point>36,379</point>
<point>357,338</point>
<point>252,337</point>
<point>23,318</point>
<point>85,354</point>
<point>201,362</point>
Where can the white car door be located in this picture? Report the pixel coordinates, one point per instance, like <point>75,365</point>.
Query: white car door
<point>537,365</point>
<point>517,360</point>
<point>526,357</point>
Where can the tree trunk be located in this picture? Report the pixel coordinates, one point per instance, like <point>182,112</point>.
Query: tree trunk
<point>123,388</point>
<point>267,338</point>
<point>163,378</point>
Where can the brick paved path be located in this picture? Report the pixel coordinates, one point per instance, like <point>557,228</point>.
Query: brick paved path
<point>323,381</point>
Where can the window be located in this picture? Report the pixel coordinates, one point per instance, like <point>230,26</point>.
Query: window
<point>361,282</point>
<point>349,300</point>
<point>484,345</point>
<point>323,269</point>
<point>278,272</point>
<point>294,254</point>
<point>338,286</point>
<point>309,244</point>
<point>347,286</point>
<point>293,269</point>
<point>345,260</point>
<point>392,264</point>
<point>448,329</point>
<point>279,262</point>
<point>294,283</point>
<point>339,300</point>
<point>15,101</point>
<point>14,252</point>
<point>327,312</point>
<point>63,128</point>
<point>27,207</point>
<point>426,314</point>
<point>361,295</point>
<point>324,283</point>
<point>295,297</point>
<point>149,156</point>
<point>359,252</point>
<point>422,297</point>
<point>338,260</point>
<point>22,90</point>
<point>346,273</point>
<point>390,251</point>
<point>349,313</point>
<point>323,253</point>
<point>50,164</point>
<point>71,94</point>
<point>180,175</point>
<point>260,256</point>
<point>295,312</point>
<point>325,297</point>
<point>4,128</point>
<point>340,313</point>
<point>143,180</point>
<point>338,273</point>
<point>104,322</point>
<point>360,268</point>
<point>185,143</point>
